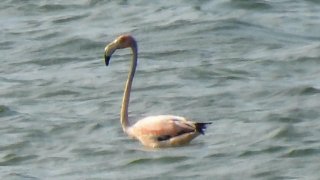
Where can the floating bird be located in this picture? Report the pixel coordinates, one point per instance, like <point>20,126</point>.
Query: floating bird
<point>153,131</point>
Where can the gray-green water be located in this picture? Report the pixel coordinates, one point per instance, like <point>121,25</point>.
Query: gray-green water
<point>251,67</point>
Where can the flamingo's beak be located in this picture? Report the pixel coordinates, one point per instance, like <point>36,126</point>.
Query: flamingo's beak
<point>109,50</point>
<point>107,59</point>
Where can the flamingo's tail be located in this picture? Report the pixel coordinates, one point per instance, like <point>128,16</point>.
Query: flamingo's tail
<point>201,127</point>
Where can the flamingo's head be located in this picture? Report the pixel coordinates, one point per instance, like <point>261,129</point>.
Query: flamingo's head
<point>121,42</point>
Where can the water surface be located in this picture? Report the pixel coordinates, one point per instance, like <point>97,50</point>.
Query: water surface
<point>250,67</point>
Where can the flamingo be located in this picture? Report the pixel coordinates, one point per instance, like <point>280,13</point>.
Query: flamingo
<point>154,131</point>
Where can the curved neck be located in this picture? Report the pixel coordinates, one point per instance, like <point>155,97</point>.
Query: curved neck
<point>126,95</point>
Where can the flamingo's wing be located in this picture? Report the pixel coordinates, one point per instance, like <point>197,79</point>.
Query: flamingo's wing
<point>163,126</point>
<point>164,131</point>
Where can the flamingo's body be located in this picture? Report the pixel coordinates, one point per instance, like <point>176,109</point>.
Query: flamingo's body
<point>152,131</point>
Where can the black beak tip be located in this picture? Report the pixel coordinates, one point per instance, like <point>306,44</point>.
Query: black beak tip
<point>107,60</point>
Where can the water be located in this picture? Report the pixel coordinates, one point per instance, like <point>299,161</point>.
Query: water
<point>250,67</point>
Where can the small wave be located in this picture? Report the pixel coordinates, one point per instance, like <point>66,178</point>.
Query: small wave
<point>52,61</point>
<point>284,132</point>
<point>59,93</point>
<point>216,155</point>
<point>282,118</point>
<point>53,7</point>
<point>51,55</point>
<point>66,19</point>
<point>20,176</point>
<point>299,91</point>
<point>302,152</point>
<point>4,45</point>
<point>16,145</point>
<point>12,159</point>
<point>250,4</point>
<point>5,111</point>
<point>160,160</point>
<point>268,150</point>
<point>93,152</point>
<point>309,90</point>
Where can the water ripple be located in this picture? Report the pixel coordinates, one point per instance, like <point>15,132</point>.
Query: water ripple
<point>69,18</point>
<point>250,66</point>
<point>305,152</point>
<point>268,150</point>
<point>161,160</point>
<point>13,159</point>
<point>250,4</point>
